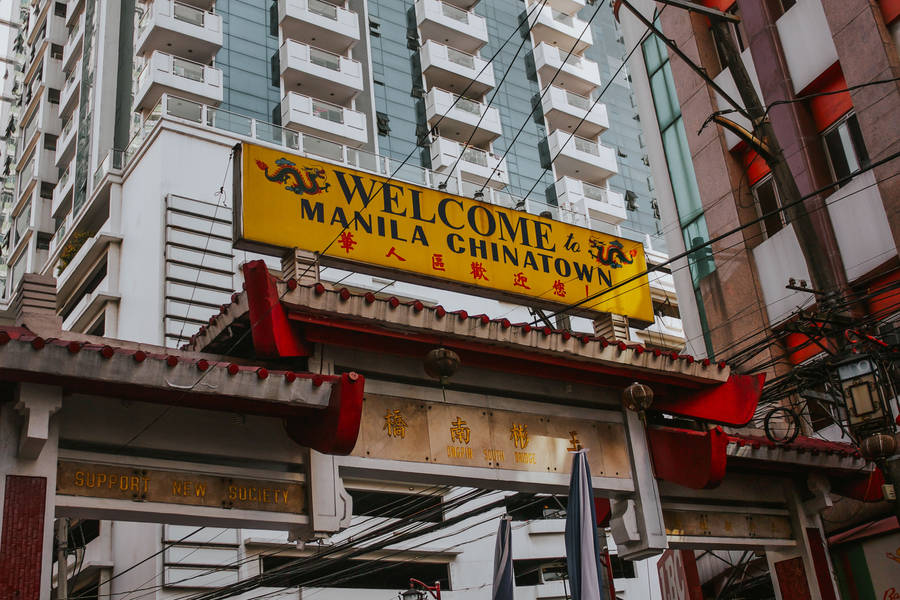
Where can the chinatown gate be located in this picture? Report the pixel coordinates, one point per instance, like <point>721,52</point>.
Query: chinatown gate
<point>297,385</point>
<point>329,384</point>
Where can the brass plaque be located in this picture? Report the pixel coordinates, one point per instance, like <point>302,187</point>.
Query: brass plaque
<point>452,434</point>
<point>177,487</point>
<point>726,524</point>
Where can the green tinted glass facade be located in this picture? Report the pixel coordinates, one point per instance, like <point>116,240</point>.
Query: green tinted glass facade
<point>624,134</point>
<point>681,171</point>
<point>248,57</point>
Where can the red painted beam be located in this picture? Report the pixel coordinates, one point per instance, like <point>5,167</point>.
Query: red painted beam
<point>729,403</point>
<point>866,488</point>
<point>335,429</point>
<point>693,459</point>
<point>273,335</point>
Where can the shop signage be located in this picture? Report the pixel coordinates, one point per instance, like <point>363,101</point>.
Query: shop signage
<point>438,433</point>
<point>365,222</point>
<point>177,487</point>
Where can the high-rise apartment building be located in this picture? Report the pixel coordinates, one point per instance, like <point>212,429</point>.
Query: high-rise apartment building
<point>122,168</point>
<point>11,64</point>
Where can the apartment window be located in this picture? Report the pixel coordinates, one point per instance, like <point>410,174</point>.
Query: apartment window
<point>47,190</point>
<point>53,96</point>
<point>59,9</point>
<point>393,505</point>
<point>786,5</point>
<point>56,51</point>
<point>766,198</point>
<point>190,554</point>
<point>49,142</point>
<point>531,507</point>
<point>539,571</point>
<point>370,574</point>
<point>845,148</point>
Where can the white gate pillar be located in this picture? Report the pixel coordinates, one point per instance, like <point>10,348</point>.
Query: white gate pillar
<point>637,523</point>
<point>28,456</point>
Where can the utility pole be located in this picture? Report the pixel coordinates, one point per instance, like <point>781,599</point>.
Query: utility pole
<point>823,275</point>
<point>62,548</point>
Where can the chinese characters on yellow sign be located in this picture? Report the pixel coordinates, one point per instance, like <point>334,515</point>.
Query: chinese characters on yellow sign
<point>354,218</point>
<point>404,429</point>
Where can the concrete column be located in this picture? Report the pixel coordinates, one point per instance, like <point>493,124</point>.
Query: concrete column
<point>28,455</point>
<point>637,523</point>
<point>804,571</point>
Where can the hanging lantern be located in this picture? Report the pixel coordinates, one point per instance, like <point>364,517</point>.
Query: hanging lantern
<point>878,446</point>
<point>637,397</point>
<point>441,364</point>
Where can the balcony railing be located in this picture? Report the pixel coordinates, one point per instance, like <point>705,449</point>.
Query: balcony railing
<point>188,14</point>
<point>323,58</point>
<point>460,58</point>
<point>455,13</point>
<point>569,59</point>
<point>578,101</point>
<point>563,18</point>
<point>323,9</point>
<point>583,145</point>
<point>328,111</point>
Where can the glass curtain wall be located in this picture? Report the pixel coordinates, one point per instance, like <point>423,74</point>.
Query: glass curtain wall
<point>681,171</point>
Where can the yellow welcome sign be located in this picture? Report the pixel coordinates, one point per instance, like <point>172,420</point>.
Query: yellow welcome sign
<point>362,221</point>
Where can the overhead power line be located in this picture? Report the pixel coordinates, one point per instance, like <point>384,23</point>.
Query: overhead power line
<point>728,233</point>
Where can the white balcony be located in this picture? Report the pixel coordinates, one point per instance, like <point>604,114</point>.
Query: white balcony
<point>448,24</point>
<point>567,110</point>
<point>459,121</point>
<point>778,259</point>
<point>65,143</point>
<point>475,166</point>
<point>861,226</point>
<point>166,74</point>
<point>556,28</point>
<point>725,81</point>
<point>72,46</point>
<point>179,29</point>
<point>319,23</point>
<point>324,119</point>
<point>64,187</point>
<point>308,69</point>
<point>579,74</point>
<point>581,158</point>
<point>807,42</point>
<point>596,202</point>
<point>451,69</point>
<point>68,97</point>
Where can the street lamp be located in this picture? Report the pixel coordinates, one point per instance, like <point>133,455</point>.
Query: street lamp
<point>415,594</point>
<point>863,386</point>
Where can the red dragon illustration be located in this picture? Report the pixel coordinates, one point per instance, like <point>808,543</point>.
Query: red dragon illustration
<point>611,255</point>
<point>304,182</point>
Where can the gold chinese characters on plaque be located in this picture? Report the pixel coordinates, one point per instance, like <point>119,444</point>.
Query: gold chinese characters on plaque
<point>438,433</point>
<point>177,487</point>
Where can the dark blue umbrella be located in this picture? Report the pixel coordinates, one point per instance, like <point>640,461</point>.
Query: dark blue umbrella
<point>503,563</point>
<point>582,546</point>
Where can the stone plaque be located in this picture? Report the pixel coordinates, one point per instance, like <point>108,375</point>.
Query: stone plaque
<point>177,487</point>
<point>452,434</point>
